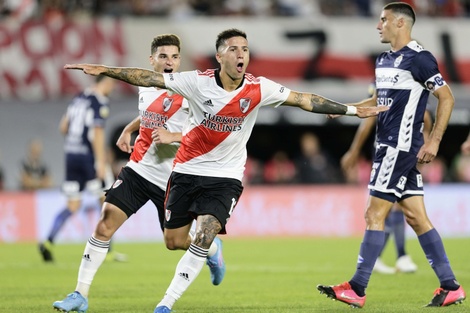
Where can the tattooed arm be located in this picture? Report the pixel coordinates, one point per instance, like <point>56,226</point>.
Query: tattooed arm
<point>318,104</point>
<point>133,76</point>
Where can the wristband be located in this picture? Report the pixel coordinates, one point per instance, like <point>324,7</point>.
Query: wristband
<point>351,110</point>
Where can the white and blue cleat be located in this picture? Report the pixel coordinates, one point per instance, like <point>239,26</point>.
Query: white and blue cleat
<point>162,309</point>
<point>74,302</point>
<point>216,264</point>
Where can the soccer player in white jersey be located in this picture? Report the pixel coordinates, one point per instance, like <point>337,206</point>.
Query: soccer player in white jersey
<point>85,156</point>
<point>405,76</point>
<point>206,180</point>
<point>145,176</point>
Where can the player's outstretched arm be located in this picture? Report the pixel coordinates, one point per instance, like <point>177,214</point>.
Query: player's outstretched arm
<point>318,104</point>
<point>133,76</point>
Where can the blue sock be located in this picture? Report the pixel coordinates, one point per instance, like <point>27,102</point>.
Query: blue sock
<point>371,246</point>
<point>433,247</point>
<point>58,223</point>
<point>398,225</point>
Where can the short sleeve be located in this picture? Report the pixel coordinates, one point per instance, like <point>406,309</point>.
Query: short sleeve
<point>273,93</point>
<point>426,71</point>
<point>182,83</point>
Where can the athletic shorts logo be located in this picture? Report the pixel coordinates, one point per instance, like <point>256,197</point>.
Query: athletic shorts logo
<point>167,215</point>
<point>419,180</point>
<point>401,182</point>
<point>117,183</point>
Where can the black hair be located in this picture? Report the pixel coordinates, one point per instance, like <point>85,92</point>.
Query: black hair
<point>165,40</point>
<point>401,8</point>
<point>227,34</point>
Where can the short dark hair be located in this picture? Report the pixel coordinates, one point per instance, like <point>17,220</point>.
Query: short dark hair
<point>165,40</point>
<point>227,34</point>
<point>402,8</point>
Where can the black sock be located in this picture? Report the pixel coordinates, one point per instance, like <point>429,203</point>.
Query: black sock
<point>360,291</point>
<point>450,285</point>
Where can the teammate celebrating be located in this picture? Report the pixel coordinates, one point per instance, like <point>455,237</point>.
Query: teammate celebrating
<point>405,76</point>
<point>206,180</point>
<point>145,176</point>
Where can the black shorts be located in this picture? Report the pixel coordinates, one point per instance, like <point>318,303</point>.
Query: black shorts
<point>394,175</point>
<point>190,196</point>
<point>131,191</point>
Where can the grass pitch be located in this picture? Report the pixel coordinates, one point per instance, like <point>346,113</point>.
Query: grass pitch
<point>263,275</point>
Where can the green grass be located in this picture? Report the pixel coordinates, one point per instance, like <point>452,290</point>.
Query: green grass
<point>263,275</point>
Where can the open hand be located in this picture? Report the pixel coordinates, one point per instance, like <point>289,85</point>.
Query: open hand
<point>91,69</point>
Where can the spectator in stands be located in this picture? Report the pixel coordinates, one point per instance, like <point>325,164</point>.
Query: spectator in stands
<point>279,169</point>
<point>465,147</point>
<point>2,179</point>
<point>34,172</point>
<point>461,168</point>
<point>314,165</point>
<point>253,174</point>
<point>434,172</point>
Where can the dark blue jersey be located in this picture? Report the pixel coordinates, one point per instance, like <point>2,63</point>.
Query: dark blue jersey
<point>86,111</point>
<point>404,79</point>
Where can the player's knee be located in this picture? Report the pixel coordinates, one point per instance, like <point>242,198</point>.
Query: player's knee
<point>103,231</point>
<point>175,243</point>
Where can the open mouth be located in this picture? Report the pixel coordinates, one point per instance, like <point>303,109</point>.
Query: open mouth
<point>240,67</point>
<point>168,70</point>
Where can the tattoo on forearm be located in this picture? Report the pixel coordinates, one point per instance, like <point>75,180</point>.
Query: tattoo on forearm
<point>298,98</point>
<point>137,76</point>
<point>206,231</point>
<point>324,105</point>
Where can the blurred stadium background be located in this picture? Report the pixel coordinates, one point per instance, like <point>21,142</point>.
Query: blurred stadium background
<point>323,46</point>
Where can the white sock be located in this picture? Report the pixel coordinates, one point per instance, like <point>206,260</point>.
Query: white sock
<point>188,268</point>
<point>93,256</point>
<point>212,249</point>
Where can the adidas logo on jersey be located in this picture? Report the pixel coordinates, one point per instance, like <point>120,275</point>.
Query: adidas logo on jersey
<point>208,103</point>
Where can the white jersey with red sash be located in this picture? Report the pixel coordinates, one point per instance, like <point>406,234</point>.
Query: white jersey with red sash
<point>220,122</point>
<point>157,108</point>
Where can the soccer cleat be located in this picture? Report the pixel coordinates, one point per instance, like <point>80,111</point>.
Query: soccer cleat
<point>45,248</point>
<point>74,302</point>
<point>216,264</point>
<point>162,309</point>
<point>447,297</point>
<point>406,265</point>
<point>343,293</point>
<point>382,268</point>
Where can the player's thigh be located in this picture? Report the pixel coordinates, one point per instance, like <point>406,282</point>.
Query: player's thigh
<point>177,238</point>
<point>110,221</point>
<point>415,214</point>
<point>376,212</point>
<point>218,199</point>
<point>130,192</point>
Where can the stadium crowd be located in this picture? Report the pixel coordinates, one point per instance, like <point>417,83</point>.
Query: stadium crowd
<point>184,9</point>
